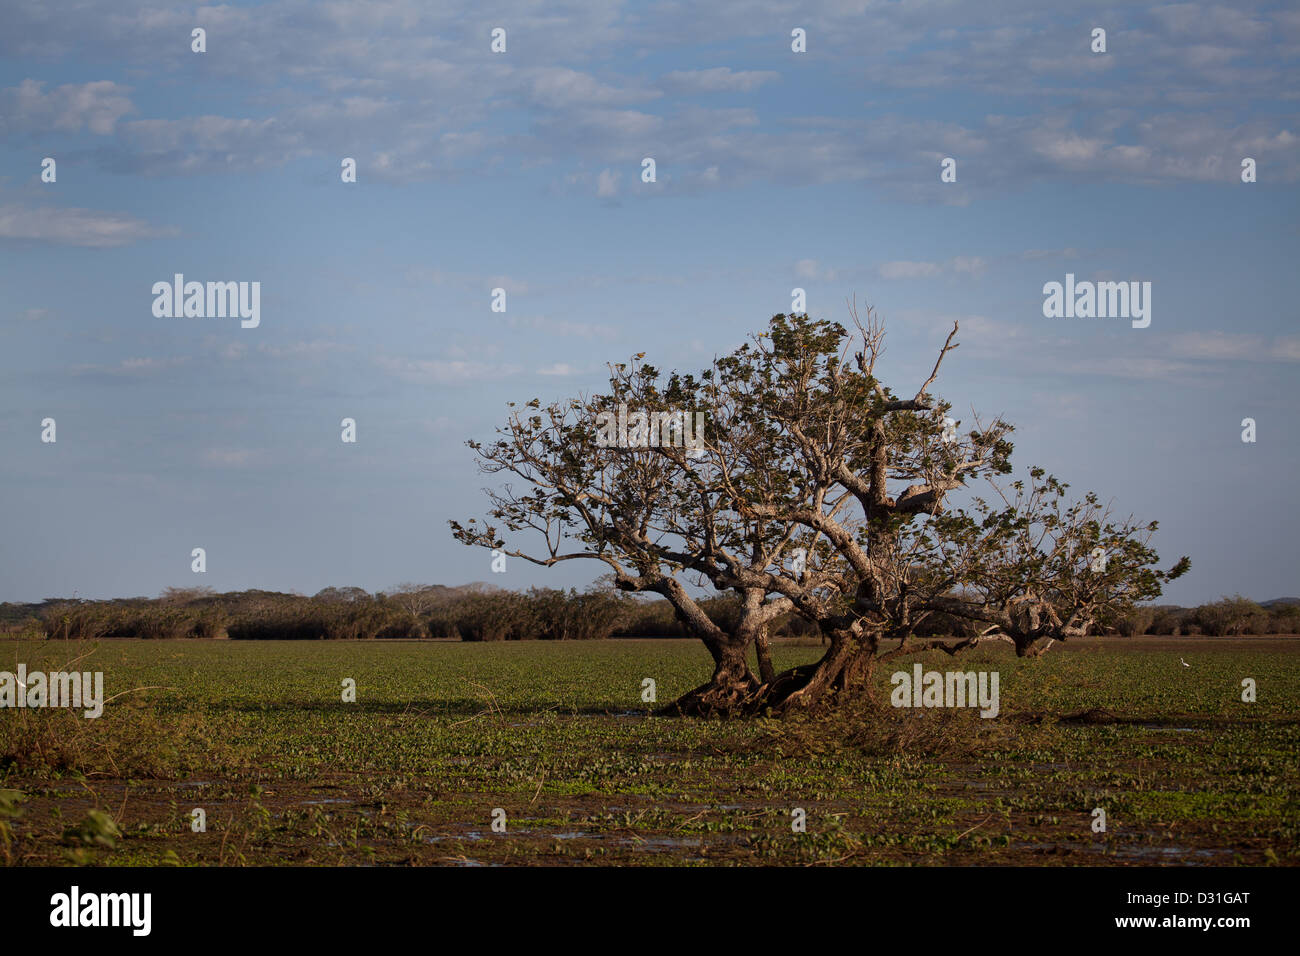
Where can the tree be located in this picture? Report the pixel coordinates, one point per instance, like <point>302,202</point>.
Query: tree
<point>346,595</point>
<point>1231,616</point>
<point>174,595</point>
<point>1040,569</point>
<point>1137,622</point>
<point>417,600</point>
<point>814,490</point>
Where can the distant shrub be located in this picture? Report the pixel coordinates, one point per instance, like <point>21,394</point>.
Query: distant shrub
<point>500,616</point>
<point>1169,620</point>
<point>792,625</point>
<point>137,617</point>
<point>586,616</point>
<point>1231,616</point>
<point>656,618</point>
<point>649,618</point>
<point>1284,619</point>
<point>76,621</point>
<point>481,613</point>
<point>300,618</point>
<point>1136,621</point>
<point>538,614</point>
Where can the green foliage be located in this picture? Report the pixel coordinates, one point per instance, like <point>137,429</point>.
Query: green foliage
<point>10,811</point>
<point>134,617</point>
<point>96,831</point>
<point>300,618</point>
<point>1232,616</point>
<point>475,614</point>
<point>555,732</point>
<point>818,492</point>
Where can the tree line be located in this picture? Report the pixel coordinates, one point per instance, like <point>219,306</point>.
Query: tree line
<point>480,613</point>
<point>469,613</point>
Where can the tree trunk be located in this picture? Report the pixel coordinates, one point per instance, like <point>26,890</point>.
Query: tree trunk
<point>763,648</point>
<point>1033,646</point>
<point>728,691</point>
<point>844,669</point>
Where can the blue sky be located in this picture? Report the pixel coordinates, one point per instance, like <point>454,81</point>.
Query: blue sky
<point>522,170</point>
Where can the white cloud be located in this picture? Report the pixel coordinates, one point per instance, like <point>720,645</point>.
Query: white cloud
<point>717,80</point>
<point>1229,346</point>
<point>971,265</point>
<point>607,183</point>
<point>225,348</point>
<point>410,79</point>
<point>909,270</point>
<point>314,349</point>
<point>811,269</point>
<point>1217,345</point>
<point>1069,252</point>
<point>97,106</point>
<point>469,280</point>
<point>441,372</point>
<point>558,87</point>
<point>76,227</point>
<point>582,330</point>
<point>129,368</point>
<point>960,265</point>
<point>1286,349</point>
<point>1067,149</point>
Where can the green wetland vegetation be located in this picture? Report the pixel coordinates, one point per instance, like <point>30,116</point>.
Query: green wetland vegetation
<point>556,735</point>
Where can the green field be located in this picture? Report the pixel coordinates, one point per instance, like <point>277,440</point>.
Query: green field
<point>557,736</point>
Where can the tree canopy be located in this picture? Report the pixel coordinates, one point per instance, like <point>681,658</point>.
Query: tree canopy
<point>812,488</point>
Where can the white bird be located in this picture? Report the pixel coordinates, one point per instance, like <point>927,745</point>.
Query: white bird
<point>1183,662</point>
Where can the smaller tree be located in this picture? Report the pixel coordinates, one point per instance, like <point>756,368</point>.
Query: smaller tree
<point>1137,621</point>
<point>418,601</point>
<point>186,595</point>
<point>1230,616</point>
<point>1284,619</point>
<point>1040,569</point>
<point>347,595</point>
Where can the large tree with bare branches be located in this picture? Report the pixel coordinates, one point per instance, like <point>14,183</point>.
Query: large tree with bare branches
<point>812,489</point>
